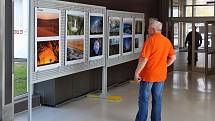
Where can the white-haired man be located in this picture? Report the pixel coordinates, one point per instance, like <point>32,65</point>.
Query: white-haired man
<point>156,55</point>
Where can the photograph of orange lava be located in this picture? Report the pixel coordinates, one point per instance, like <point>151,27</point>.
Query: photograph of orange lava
<point>75,49</point>
<point>47,22</point>
<point>47,52</point>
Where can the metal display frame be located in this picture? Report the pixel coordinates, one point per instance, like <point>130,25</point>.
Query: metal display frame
<point>2,52</point>
<point>64,69</point>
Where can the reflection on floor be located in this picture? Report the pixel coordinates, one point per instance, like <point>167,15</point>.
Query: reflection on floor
<point>187,97</point>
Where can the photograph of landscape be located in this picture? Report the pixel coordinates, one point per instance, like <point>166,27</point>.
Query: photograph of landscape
<point>138,27</point>
<point>136,45</point>
<point>75,24</point>
<point>96,25</point>
<point>114,46</point>
<point>127,26</point>
<point>114,24</point>
<point>47,22</point>
<point>75,49</point>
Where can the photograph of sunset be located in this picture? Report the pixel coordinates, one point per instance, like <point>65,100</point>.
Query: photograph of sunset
<point>47,22</point>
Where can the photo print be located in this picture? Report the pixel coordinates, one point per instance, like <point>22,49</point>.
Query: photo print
<point>75,49</point>
<point>75,23</point>
<point>114,46</point>
<point>138,43</point>
<point>138,26</point>
<point>114,26</point>
<point>96,24</point>
<point>96,46</point>
<point>127,26</point>
<point>47,22</point>
<point>47,52</point>
<point>127,44</point>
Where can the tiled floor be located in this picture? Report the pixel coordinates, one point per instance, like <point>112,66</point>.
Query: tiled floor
<point>187,97</point>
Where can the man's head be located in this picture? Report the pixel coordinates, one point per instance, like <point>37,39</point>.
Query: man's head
<point>154,26</point>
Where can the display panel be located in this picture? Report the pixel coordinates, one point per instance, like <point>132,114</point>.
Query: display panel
<point>47,22</point>
<point>47,54</point>
<point>138,26</point>
<point>75,39</point>
<point>96,47</point>
<point>127,26</point>
<point>127,45</point>
<point>75,23</point>
<point>114,26</point>
<point>114,44</point>
<point>96,24</point>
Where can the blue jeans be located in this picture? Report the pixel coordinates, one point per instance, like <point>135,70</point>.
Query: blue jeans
<point>156,88</point>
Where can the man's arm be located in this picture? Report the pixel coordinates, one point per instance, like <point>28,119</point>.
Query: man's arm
<point>170,60</point>
<point>141,64</point>
<point>188,38</point>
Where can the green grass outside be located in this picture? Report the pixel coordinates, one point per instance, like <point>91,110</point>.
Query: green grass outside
<point>20,78</point>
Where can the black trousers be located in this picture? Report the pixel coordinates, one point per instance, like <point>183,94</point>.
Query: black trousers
<point>189,57</point>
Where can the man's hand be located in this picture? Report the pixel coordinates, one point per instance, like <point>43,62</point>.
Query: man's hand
<point>137,77</point>
<point>141,64</point>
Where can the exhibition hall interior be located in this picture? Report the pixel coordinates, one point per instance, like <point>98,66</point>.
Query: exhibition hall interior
<point>75,60</point>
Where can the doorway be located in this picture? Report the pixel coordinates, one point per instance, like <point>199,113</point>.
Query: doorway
<point>203,50</point>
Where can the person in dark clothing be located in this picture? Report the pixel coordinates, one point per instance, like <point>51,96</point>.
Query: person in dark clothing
<point>198,42</point>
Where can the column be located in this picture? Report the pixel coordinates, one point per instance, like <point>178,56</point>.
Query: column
<point>6,83</point>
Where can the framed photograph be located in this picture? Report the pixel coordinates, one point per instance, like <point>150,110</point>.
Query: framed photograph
<point>127,45</point>
<point>96,24</point>
<point>75,50</point>
<point>75,23</point>
<point>96,48</point>
<point>47,23</point>
<point>114,26</point>
<point>114,47</point>
<point>138,26</point>
<point>127,26</point>
<point>138,44</point>
<point>47,55</point>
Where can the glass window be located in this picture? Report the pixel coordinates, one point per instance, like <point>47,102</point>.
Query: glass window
<point>20,46</point>
<point>188,11</point>
<point>201,11</point>
<point>189,2</point>
<point>200,8</point>
<point>176,33</point>
<point>175,11</point>
<point>200,2</point>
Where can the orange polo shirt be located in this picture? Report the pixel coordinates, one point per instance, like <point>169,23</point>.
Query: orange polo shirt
<point>157,49</point>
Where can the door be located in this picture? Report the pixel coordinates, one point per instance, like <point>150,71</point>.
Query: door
<point>210,48</point>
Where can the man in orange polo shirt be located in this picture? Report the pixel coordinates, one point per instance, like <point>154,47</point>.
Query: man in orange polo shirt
<point>156,55</point>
